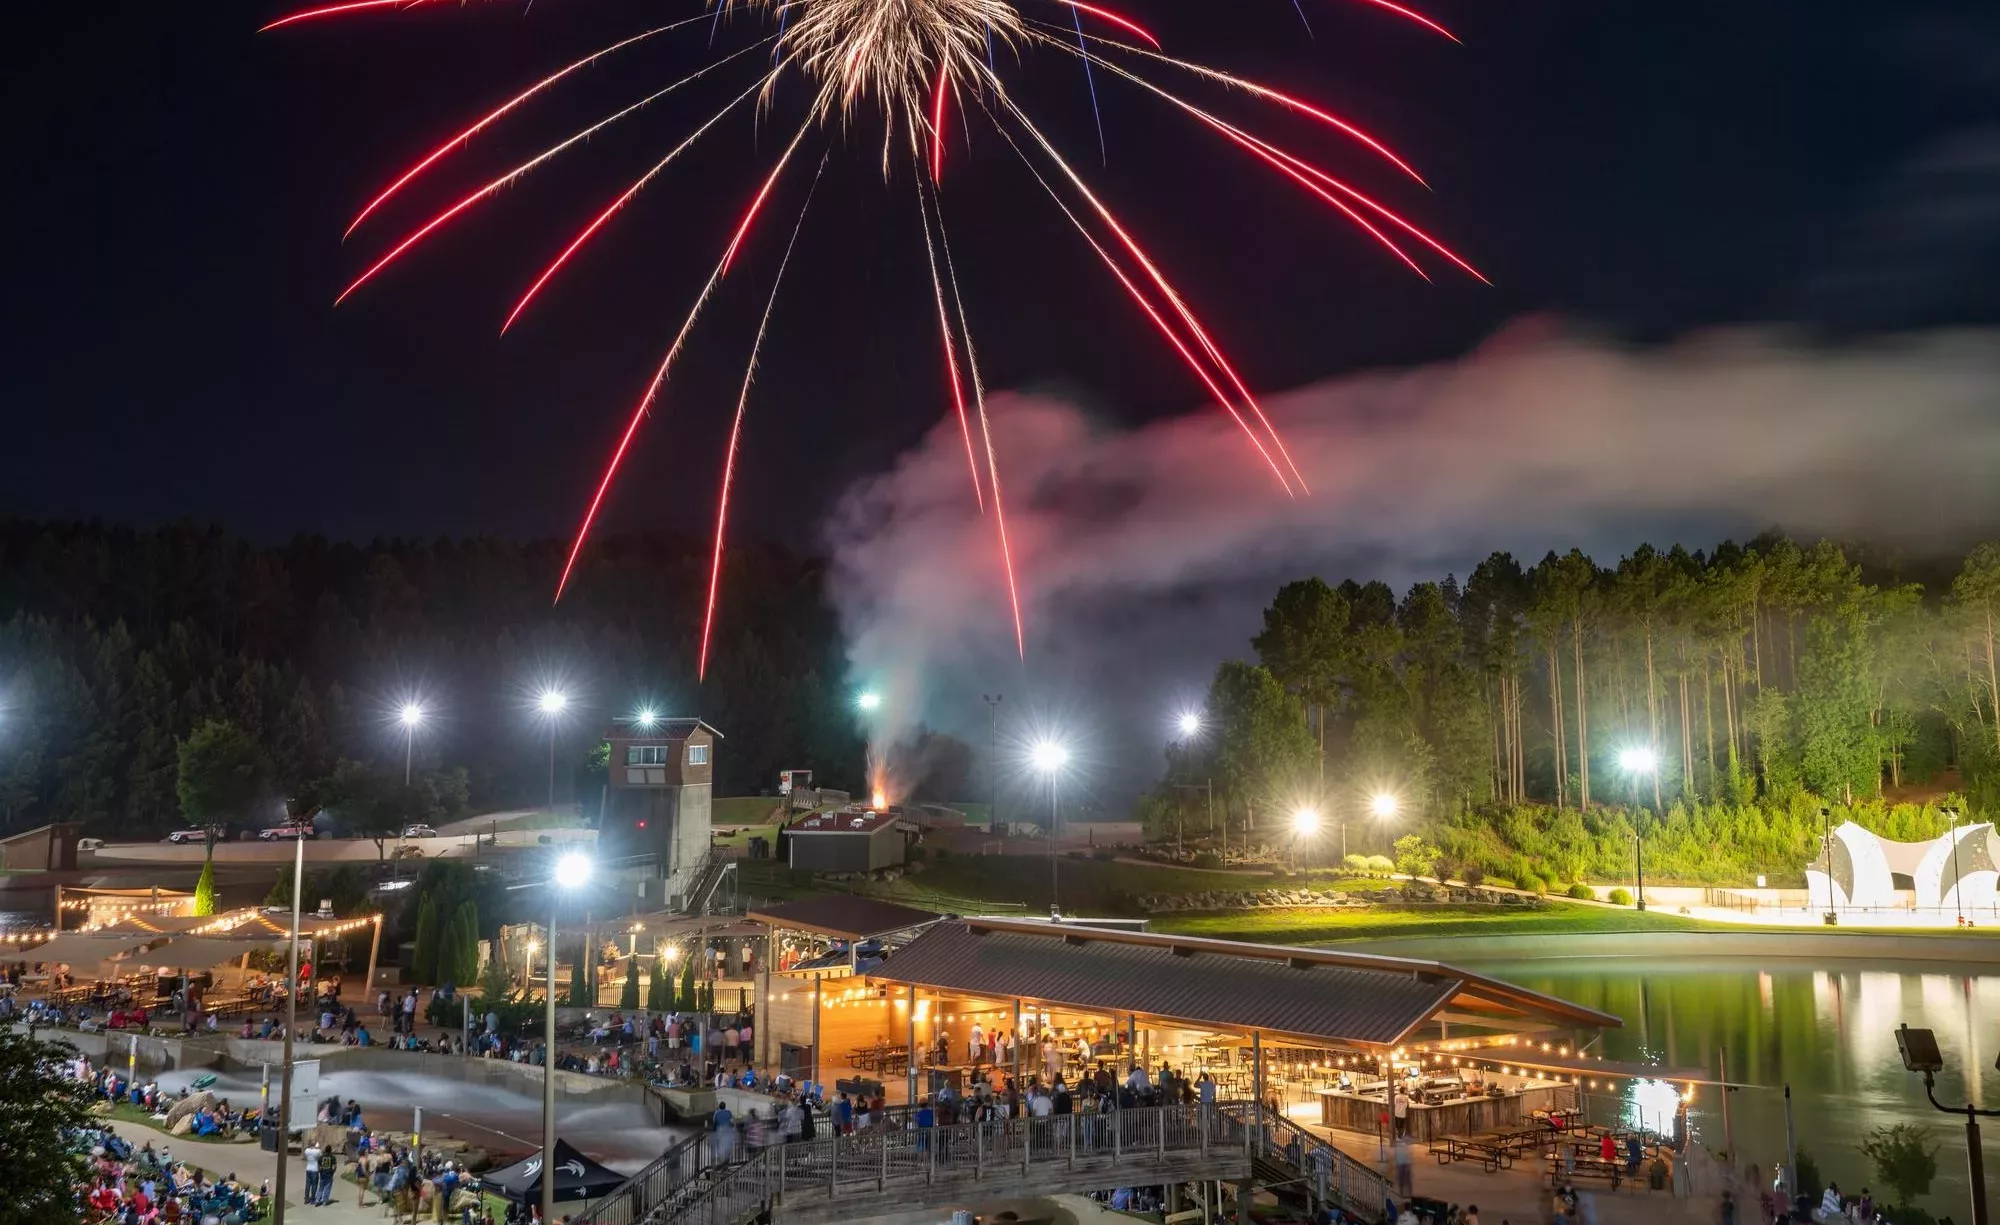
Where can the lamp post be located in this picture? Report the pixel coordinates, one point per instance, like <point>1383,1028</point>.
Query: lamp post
<point>1049,758</point>
<point>1638,762</point>
<point>1832,903</point>
<point>1383,806</point>
<point>572,871</point>
<point>1919,1049</point>
<point>411,716</point>
<point>552,703</point>
<point>291,1023</point>
<point>992,701</point>
<point>1305,823</point>
<point>1189,726</point>
<point>1957,894</point>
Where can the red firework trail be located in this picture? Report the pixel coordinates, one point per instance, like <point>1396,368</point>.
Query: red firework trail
<point>1262,91</point>
<point>626,197</point>
<point>937,128</point>
<point>645,404</point>
<point>1159,279</point>
<point>1415,16</point>
<point>1145,304</point>
<point>335,10</point>
<point>950,348</point>
<point>986,436</point>
<point>1297,168</point>
<point>736,431</point>
<point>496,114</point>
<point>1107,15</point>
<point>513,175</point>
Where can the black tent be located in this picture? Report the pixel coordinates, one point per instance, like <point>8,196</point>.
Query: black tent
<point>577,1177</point>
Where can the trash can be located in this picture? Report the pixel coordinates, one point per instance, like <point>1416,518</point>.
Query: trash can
<point>267,1136</point>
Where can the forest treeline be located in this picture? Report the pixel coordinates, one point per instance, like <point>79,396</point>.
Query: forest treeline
<point>1758,681</point>
<point>118,645</point>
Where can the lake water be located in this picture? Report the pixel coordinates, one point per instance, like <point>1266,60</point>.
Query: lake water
<point>1829,1033</point>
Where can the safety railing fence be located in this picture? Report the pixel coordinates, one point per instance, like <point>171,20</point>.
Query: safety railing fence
<point>880,1162</point>
<point>651,1186</point>
<point>1332,1175</point>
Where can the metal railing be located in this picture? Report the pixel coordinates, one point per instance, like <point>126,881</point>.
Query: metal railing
<point>652,1186</point>
<point>1329,1174</point>
<point>893,1163</point>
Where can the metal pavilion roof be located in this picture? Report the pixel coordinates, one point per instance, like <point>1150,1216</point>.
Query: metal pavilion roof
<point>1312,994</point>
<point>843,916</point>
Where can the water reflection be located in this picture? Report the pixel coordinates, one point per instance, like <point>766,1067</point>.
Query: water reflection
<point>1829,1033</point>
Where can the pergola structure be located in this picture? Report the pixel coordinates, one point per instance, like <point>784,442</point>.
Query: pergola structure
<point>1319,1027</point>
<point>812,940</point>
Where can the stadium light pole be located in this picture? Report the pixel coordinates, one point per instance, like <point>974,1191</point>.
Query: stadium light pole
<point>552,703</point>
<point>572,872</point>
<point>1637,762</point>
<point>992,701</point>
<point>1049,758</point>
<point>1189,725</point>
<point>412,717</point>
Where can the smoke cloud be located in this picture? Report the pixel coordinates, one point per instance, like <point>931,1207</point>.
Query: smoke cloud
<point>1146,555</point>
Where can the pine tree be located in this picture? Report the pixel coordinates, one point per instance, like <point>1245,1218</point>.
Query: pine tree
<point>687,1001</point>
<point>659,992</point>
<point>204,889</point>
<point>579,991</point>
<point>628,999</point>
<point>424,953</point>
<point>458,954</point>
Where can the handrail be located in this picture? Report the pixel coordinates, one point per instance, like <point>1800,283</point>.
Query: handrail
<point>1356,1186</point>
<point>892,1163</point>
<point>638,1194</point>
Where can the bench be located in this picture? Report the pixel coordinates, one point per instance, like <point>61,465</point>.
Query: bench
<point>1592,1167</point>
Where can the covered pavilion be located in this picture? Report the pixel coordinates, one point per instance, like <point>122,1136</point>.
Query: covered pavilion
<point>1324,1033</point>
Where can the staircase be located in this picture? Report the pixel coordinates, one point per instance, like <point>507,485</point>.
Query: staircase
<point>1296,1164</point>
<point>708,882</point>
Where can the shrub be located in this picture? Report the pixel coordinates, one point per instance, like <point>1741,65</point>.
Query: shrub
<point>1212,861</point>
<point>1812,1184</point>
<point>1379,865</point>
<point>1414,856</point>
<point>1531,883</point>
<point>1620,896</point>
<point>1582,892</point>
<point>1355,862</point>
<point>1474,875</point>
<point>1904,1158</point>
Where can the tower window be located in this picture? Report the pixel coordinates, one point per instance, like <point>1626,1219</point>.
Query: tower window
<point>697,754</point>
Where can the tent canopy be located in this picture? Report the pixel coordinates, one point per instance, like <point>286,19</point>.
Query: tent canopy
<point>85,951</point>
<point>577,1177</point>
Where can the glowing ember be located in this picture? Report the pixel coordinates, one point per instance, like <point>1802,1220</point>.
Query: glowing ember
<point>878,800</point>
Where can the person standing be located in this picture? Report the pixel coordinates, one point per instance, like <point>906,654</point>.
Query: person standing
<point>975,1047</point>
<point>310,1158</point>
<point>1399,1107</point>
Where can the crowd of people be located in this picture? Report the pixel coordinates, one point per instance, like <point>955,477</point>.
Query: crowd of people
<point>149,1187</point>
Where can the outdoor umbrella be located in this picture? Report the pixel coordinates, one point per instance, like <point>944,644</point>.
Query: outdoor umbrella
<point>577,1177</point>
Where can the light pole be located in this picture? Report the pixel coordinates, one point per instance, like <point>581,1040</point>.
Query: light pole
<point>992,701</point>
<point>1957,894</point>
<point>552,703</point>
<point>291,1023</point>
<point>572,872</point>
<point>1049,758</point>
<point>411,716</point>
<point>1920,1053</point>
<point>1189,726</point>
<point>647,718</point>
<point>1832,904</point>
<point>1305,823</point>
<point>1638,761</point>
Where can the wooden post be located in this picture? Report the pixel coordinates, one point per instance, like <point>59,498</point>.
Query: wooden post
<point>1019,1042</point>
<point>374,948</point>
<point>762,1021</point>
<point>1256,1088</point>
<point>911,1062</point>
<point>59,889</point>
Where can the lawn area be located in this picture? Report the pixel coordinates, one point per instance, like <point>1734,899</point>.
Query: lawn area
<point>744,809</point>
<point>1313,926</point>
<point>1086,886</point>
<point>740,836</point>
<point>126,1112</point>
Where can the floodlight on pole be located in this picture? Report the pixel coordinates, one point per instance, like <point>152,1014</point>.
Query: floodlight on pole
<point>411,716</point>
<point>571,872</point>
<point>869,700</point>
<point>552,703</point>
<point>1305,824</point>
<point>1049,757</point>
<point>1638,760</point>
<point>647,718</point>
<point>1384,805</point>
<point>1190,724</point>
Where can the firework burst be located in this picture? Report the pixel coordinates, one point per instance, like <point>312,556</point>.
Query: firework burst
<point>915,61</point>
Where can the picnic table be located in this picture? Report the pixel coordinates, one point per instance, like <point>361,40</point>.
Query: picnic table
<point>1584,1165</point>
<point>879,1059</point>
<point>1493,1151</point>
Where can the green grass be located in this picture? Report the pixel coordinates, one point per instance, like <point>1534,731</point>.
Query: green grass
<point>1093,886</point>
<point>742,834</point>
<point>744,809</point>
<point>1313,926</point>
<point>126,1112</point>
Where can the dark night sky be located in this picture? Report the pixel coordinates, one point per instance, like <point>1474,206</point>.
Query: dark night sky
<point>179,186</point>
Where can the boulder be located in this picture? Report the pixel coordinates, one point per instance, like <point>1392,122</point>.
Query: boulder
<point>186,1107</point>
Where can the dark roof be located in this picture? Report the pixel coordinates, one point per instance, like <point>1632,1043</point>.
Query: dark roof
<point>665,729</point>
<point>846,821</point>
<point>577,1177</point>
<point>843,915</point>
<point>1307,993</point>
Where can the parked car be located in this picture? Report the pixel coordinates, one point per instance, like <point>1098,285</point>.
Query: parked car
<point>279,833</point>
<point>419,831</point>
<point>181,837</point>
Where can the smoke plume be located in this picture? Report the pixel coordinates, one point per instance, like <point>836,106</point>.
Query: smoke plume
<point>1145,555</point>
